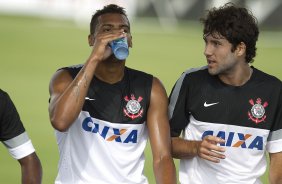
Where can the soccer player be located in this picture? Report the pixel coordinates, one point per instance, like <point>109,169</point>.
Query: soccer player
<point>229,112</point>
<point>103,113</point>
<point>15,138</point>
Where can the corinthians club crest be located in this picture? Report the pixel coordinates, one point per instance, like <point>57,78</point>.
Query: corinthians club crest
<point>133,108</point>
<point>257,113</point>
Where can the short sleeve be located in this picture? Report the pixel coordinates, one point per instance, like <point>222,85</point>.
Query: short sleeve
<point>274,142</point>
<point>10,123</point>
<point>12,131</point>
<point>177,107</point>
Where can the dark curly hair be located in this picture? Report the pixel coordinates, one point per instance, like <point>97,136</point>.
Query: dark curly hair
<point>236,24</point>
<point>111,8</point>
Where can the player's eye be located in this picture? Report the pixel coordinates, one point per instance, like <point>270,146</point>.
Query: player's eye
<point>106,29</point>
<point>216,43</point>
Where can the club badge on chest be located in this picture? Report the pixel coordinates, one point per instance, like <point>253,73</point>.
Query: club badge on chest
<point>133,108</point>
<point>257,113</point>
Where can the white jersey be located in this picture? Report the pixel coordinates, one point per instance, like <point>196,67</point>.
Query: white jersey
<point>96,151</point>
<point>241,145</point>
<point>106,143</point>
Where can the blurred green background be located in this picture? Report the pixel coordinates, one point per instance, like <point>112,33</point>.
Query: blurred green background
<point>32,49</point>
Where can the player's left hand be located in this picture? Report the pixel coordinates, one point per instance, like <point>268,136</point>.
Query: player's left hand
<point>209,150</point>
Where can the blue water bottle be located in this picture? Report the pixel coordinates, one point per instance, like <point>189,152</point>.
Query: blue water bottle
<point>120,48</point>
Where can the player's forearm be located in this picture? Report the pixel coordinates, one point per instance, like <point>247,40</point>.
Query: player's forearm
<point>31,169</point>
<point>277,181</point>
<point>66,108</point>
<point>275,178</point>
<point>183,149</point>
<point>275,174</point>
<point>164,170</point>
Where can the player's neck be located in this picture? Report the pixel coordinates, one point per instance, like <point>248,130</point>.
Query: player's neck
<point>237,77</point>
<point>110,73</point>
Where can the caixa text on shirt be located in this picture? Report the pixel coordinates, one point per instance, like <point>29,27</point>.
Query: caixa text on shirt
<point>108,133</point>
<point>235,139</point>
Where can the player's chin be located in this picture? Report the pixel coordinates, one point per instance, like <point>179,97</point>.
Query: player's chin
<point>212,71</point>
<point>112,59</point>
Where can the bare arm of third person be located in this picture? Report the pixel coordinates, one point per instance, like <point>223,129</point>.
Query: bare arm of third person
<point>159,135</point>
<point>31,169</point>
<point>206,149</point>
<point>275,168</point>
<point>67,94</point>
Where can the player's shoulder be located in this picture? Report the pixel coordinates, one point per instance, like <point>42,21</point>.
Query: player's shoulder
<point>3,95</point>
<point>193,74</point>
<point>64,75</point>
<point>2,92</point>
<point>195,71</point>
<point>72,70</point>
<point>263,76</point>
<point>5,100</point>
<point>72,67</point>
<point>138,73</point>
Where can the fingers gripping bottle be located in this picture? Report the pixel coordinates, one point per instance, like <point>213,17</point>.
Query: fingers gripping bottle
<point>120,48</point>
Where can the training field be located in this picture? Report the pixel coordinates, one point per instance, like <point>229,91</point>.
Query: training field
<point>32,49</point>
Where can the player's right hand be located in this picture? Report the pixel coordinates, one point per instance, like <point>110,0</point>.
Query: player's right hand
<point>100,43</point>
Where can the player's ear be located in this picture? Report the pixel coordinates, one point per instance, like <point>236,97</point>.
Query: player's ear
<point>130,41</point>
<point>91,40</point>
<point>241,49</point>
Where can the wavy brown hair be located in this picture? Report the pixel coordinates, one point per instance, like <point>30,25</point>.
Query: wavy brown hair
<point>236,24</point>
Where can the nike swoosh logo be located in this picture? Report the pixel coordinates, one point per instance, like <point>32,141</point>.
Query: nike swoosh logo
<point>211,104</point>
<point>87,98</point>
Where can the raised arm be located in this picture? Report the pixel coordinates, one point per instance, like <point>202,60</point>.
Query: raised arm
<point>159,135</point>
<point>67,94</point>
<point>275,168</point>
<point>31,169</point>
